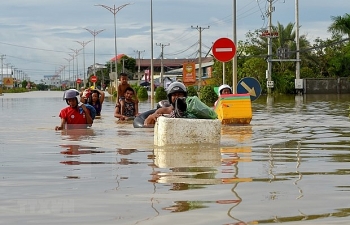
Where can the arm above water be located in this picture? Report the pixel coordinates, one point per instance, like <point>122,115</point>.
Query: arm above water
<point>89,120</point>
<point>151,119</point>
<point>117,113</point>
<point>102,95</point>
<point>62,126</point>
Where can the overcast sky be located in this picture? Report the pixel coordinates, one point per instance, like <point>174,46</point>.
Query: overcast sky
<point>37,35</point>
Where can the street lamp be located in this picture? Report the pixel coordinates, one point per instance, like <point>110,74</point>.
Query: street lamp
<point>82,43</point>
<point>94,33</point>
<point>115,10</point>
<point>234,34</point>
<point>151,70</point>
<point>68,70</point>
<point>76,51</point>
<point>73,56</point>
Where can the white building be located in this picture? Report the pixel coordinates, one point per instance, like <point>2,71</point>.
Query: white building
<point>52,80</point>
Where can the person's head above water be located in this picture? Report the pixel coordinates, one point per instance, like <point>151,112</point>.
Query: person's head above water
<point>70,95</point>
<point>175,90</point>
<point>225,89</point>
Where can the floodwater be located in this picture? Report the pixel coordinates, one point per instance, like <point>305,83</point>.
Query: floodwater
<point>290,166</point>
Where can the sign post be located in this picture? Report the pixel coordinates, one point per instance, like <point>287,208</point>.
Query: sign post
<point>93,79</point>
<point>249,85</point>
<point>78,83</point>
<point>224,50</point>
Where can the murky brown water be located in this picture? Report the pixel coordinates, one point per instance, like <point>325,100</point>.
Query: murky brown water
<point>290,165</point>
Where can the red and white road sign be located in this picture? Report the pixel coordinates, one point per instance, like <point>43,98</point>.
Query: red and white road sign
<point>224,49</point>
<point>79,81</point>
<point>93,79</point>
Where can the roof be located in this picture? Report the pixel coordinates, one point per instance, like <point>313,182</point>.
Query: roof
<point>119,56</point>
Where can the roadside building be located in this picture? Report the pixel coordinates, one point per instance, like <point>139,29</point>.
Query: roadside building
<point>52,81</point>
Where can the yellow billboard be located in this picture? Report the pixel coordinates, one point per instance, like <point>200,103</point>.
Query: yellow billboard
<point>7,81</point>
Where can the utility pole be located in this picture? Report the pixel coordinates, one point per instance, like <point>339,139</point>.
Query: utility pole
<point>139,66</point>
<point>200,29</point>
<point>2,57</point>
<point>14,76</point>
<point>83,44</point>
<point>11,71</point>
<point>297,65</point>
<point>269,48</point>
<point>161,62</point>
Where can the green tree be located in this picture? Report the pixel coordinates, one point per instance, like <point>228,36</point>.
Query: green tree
<point>24,84</point>
<point>208,95</point>
<point>340,25</point>
<point>142,94</point>
<point>192,91</point>
<point>128,63</point>
<point>160,94</point>
<point>41,87</point>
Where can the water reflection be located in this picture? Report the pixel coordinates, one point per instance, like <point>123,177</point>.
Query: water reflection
<point>340,213</point>
<point>79,150</point>
<point>240,134</point>
<point>125,152</point>
<point>77,134</point>
<point>290,165</point>
<point>300,175</point>
<point>190,166</point>
<point>196,167</point>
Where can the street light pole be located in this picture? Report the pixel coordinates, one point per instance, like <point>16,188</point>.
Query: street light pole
<point>234,61</point>
<point>83,44</point>
<point>151,70</point>
<point>115,10</point>
<point>73,56</point>
<point>94,33</point>
<point>68,70</point>
<point>76,51</point>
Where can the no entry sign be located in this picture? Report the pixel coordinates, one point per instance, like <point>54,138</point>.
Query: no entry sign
<point>93,79</point>
<point>224,49</point>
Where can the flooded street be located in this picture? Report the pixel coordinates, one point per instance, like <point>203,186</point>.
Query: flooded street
<point>290,165</point>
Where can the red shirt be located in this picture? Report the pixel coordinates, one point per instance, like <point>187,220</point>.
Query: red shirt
<point>74,116</point>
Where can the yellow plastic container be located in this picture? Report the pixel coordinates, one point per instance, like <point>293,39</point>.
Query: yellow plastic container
<point>234,109</point>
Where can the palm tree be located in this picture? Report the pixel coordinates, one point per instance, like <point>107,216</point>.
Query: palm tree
<point>340,25</point>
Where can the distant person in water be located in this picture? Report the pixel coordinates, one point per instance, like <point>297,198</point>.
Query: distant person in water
<point>74,116</point>
<point>123,85</point>
<point>223,90</point>
<point>129,109</point>
<point>96,100</point>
